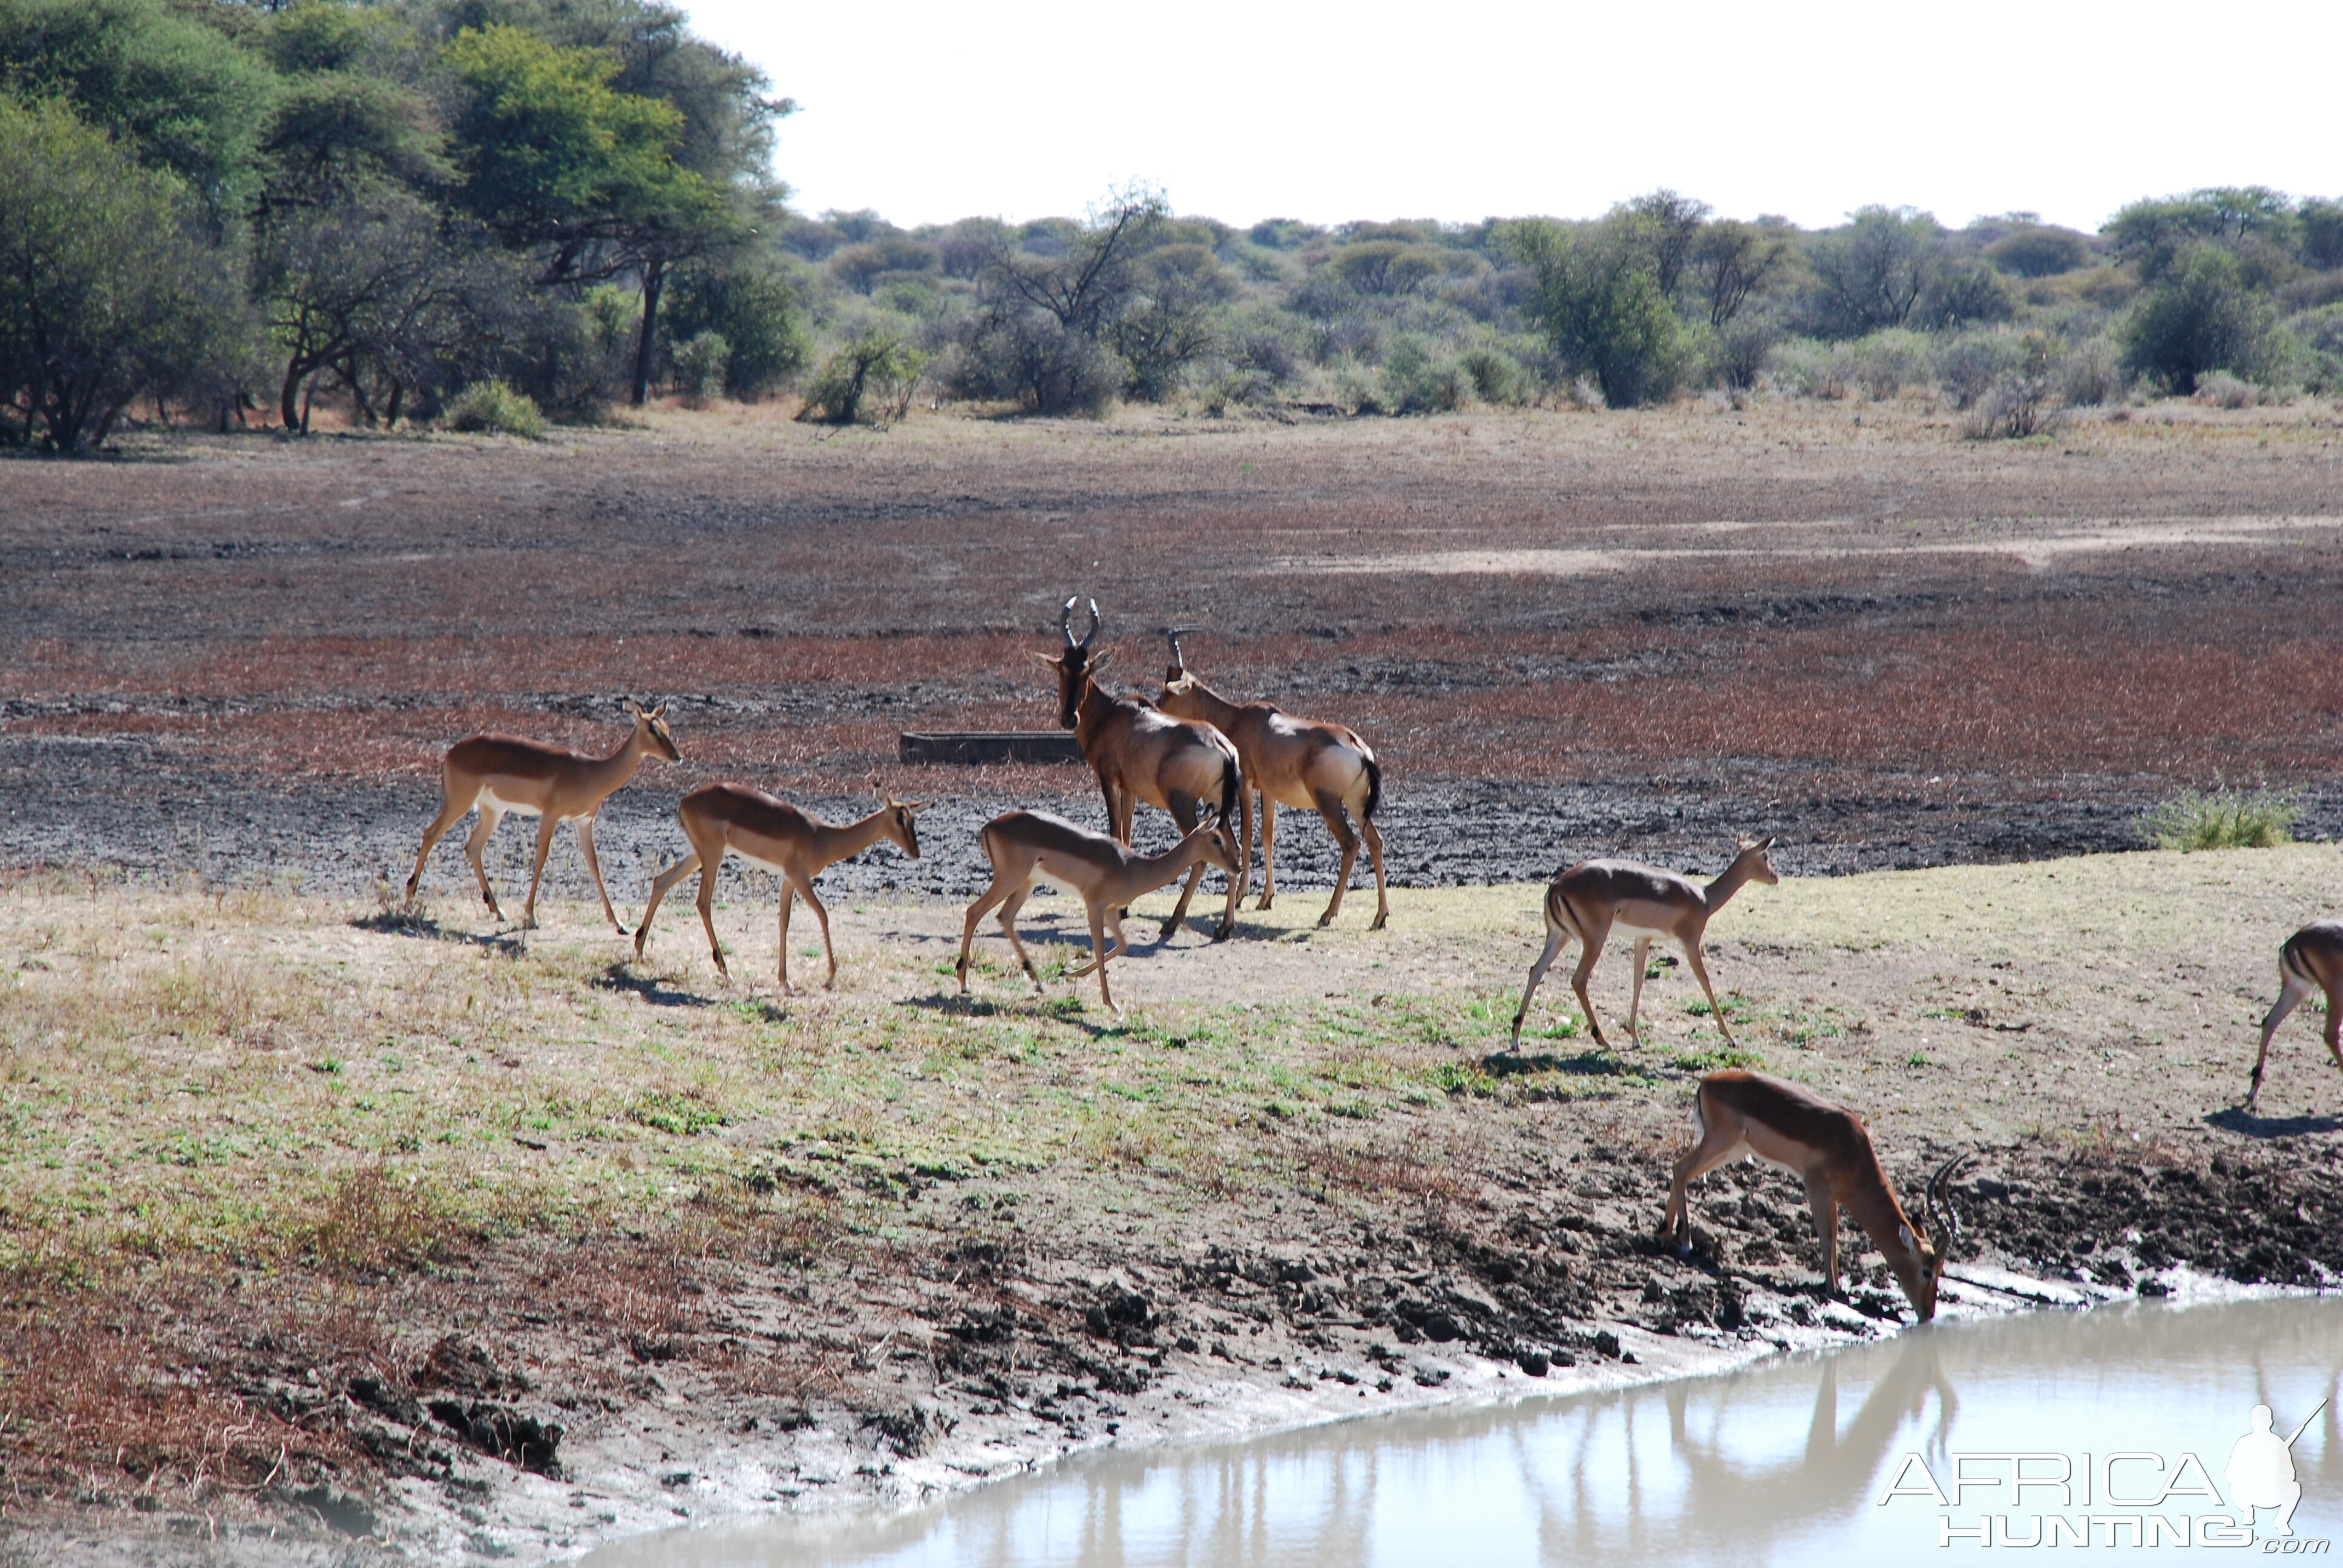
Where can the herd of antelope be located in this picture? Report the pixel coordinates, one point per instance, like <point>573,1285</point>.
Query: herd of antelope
<point>1203,760</point>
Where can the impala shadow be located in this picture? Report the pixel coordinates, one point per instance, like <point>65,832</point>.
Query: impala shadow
<point>423,928</point>
<point>618,975</point>
<point>1069,1011</point>
<point>2237,1118</point>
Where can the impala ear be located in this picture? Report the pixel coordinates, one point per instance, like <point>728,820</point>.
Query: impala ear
<point>660,711</point>
<point>634,709</point>
<point>913,806</point>
<point>1904,1234</point>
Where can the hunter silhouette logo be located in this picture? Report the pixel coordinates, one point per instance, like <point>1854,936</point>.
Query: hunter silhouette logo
<point>2261,1471</point>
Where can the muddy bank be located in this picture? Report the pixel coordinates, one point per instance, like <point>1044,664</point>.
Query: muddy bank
<point>150,807</point>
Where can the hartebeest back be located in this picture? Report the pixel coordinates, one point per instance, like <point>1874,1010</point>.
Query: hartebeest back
<point>552,783</point>
<point>1290,762</point>
<point>1826,1146</point>
<point>1142,755</point>
<point>795,845</point>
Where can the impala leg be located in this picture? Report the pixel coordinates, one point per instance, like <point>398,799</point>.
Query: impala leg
<point>477,841</point>
<point>1826,1208</point>
<point>1009,905</point>
<point>1338,822</point>
<point>659,886</point>
<point>1715,1007</point>
<point>2292,989</point>
<point>985,901</point>
<point>1183,813</point>
<point>451,812</point>
<point>1268,850</point>
<point>545,827</point>
<point>1374,837</point>
<point>2335,1025</point>
<point>1590,949</point>
<point>1711,1150</point>
<point>789,896</point>
<point>1636,997</point>
<point>1555,937</point>
<point>594,867</point>
<point>821,918</point>
<point>707,902</point>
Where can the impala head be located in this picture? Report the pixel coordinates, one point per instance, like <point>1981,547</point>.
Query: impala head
<point>1077,666</point>
<point>651,723</point>
<point>1212,836</point>
<point>1929,1248</point>
<point>1752,857</point>
<point>901,817</point>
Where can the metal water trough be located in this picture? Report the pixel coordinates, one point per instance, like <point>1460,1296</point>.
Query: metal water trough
<point>975,746</point>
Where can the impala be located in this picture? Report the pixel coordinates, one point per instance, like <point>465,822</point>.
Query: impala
<point>795,846</point>
<point>1027,847</point>
<point>1289,763</point>
<point>2313,956</point>
<point>1141,754</point>
<point>1825,1145</point>
<point>503,773</point>
<point>1595,897</point>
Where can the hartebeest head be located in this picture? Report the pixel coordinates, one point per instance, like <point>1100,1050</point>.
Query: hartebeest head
<point>1077,667</point>
<point>651,724</point>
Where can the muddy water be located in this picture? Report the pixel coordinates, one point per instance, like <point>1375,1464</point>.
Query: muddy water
<point>1785,1462</point>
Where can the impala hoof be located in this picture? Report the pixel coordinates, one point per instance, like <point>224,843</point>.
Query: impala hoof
<point>1379,922</point>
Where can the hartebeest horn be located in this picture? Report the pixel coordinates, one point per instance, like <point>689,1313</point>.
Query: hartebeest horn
<point>1090,636</point>
<point>1066,619</point>
<point>1172,635</point>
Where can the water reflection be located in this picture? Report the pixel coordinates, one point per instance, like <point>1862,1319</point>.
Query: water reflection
<point>1774,1463</point>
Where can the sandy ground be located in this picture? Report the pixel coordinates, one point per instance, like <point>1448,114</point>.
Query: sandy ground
<point>1302,1179</point>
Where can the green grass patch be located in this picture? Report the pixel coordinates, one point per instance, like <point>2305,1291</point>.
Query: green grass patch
<point>2224,820</point>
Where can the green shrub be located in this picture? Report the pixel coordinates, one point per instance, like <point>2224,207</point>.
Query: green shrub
<point>493,408</point>
<point>1595,297</point>
<point>699,367</point>
<point>2090,375</point>
<point>2201,317</point>
<point>1887,362</point>
<point>1417,380</point>
<point>870,380</point>
<point>757,314</point>
<point>1969,365</point>
<point>2224,820</point>
<point>1496,376</point>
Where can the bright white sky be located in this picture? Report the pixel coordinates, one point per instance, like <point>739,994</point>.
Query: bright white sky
<point>928,110</point>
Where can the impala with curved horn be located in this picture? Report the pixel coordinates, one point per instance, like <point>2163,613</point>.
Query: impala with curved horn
<point>795,846</point>
<point>1825,1146</point>
<point>1027,847</point>
<point>2312,957</point>
<point>1594,898</point>
<point>1289,763</point>
<point>504,773</point>
<point>1144,755</point>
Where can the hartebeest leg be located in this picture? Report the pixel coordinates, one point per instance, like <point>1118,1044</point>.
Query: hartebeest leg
<point>477,841</point>
<point>1714,1147</point>
<point>451,811</point>
<point>659,886</point>
<point>1636,997</point>
<point>1555,937</point>
<point>2292,989</point>
<point>1338,822</point>
<point>1715,1007</point>
<point>1268,850</point>
<point>1374,838</point>
<point>1244,842</point>
<point>594,868</point>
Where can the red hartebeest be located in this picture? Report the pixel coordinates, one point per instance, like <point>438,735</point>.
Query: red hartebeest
<point>1825,1146</point>
<point>554,784</point>
<point>1141,754</point>
<point>2312,957</point>
<point>1027,847</point>
<point>795,846</point>
<point>1289,762</point>
<point>1594,898</point>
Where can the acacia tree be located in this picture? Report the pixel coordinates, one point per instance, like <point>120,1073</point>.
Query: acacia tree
<point>1043,329</point>
<point>1733,260</point>
<point>1870,274</point>
<point>557,160</point>
<point>108,292</point>
<point>1597,298</point>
